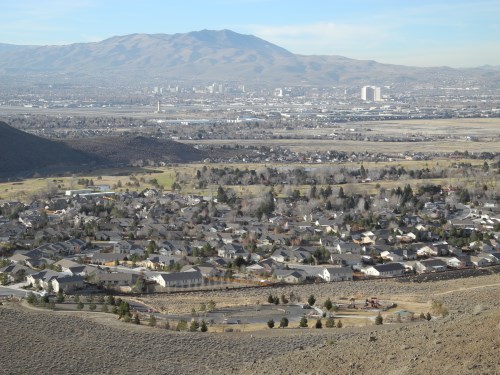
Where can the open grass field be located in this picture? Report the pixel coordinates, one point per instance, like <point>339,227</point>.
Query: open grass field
<point>448,136</point>
<point>184,174</point>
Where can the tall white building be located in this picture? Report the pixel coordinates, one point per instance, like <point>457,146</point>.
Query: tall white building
<point>371,94</point>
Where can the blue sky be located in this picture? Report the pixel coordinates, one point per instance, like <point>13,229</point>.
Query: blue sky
<point>458,33</point>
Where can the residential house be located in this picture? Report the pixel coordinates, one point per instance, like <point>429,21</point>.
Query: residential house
<point>180,279</point>
<point>67,283</point>
<point>42,278</point>
<point>455,262</point>
<point>116,280</point>
<point>430,265</point>
<point>206,270</point>
<point>479,261</point>
<point>336,274</point>
<point>232,251</point>
<point>290,276</point>
<point>17,272</point>
<point>385,270</point>
<point>347,260</point>
<point>107,258</point>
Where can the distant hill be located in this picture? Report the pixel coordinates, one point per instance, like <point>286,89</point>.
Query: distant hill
<point>21,152</point>
<point>127,150</point>
<point>209,55</point>
<point>24,154</point>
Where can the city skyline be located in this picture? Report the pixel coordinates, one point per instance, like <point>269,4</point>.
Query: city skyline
<point>430,33</point>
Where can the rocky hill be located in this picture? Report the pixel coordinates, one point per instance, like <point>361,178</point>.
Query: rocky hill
<point>209,55</point>
<point>24,154</point>
<point>137,150</point>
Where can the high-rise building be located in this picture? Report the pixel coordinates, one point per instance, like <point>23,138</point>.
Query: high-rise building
<point>370,94</point>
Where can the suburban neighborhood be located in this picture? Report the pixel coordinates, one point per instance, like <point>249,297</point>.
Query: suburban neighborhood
<point>152,241</point>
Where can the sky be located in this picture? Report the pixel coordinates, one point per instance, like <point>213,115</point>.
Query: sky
<point>456,33</point>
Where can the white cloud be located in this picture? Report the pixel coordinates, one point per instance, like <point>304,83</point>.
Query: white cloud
<point>322,37</point>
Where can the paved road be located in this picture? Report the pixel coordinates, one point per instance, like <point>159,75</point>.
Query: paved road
<point>6,292</point>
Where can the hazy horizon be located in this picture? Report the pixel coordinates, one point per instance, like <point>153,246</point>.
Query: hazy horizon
<point>431,33</point>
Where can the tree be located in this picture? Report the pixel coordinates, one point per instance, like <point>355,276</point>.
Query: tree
<point>136,319</point>
<point>193,327</point>
<point>284,300</point>
<point>341,193</point>
<point>303,322</point>
<point>379,320</point>
<point>80,306</point>
<point>152,321</point>
<point>3,278</point>
<point>318,324</point>
<point>92,306</point>
<point>438,308</point>
<point>105,308</point>
<point>31,298</point>
<point>284,322</point>
<point>270,299</point>
<point>339,324</point>
<point>330,323</point>
<point>203,326</point>
<point>328,304</point>
<point>60,296</point>
<point>270,323</point>
<point>203,307</point>
<point>428,316</point>
<point>311,300</point>
<point>211,305</point>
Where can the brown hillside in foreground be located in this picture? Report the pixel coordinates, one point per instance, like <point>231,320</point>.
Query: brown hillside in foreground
<point>465,342</point>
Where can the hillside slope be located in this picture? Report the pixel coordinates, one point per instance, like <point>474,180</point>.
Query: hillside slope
<point>127,150</point>
<point>24,152</point>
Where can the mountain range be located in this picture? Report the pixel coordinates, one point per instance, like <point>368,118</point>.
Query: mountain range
<point>207,55</point>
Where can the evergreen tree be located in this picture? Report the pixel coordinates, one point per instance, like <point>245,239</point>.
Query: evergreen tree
<point>203,326</point>
<point>328,304</point>
<point>284,322</point>
<point>311,300</point>
<point>270,323</point>
<point>152,321</point>
<point>379,320</point>
<point>303,322</point>
<point>330,323</point>
<point>339,324</point>
<point>60,296</point>
<point>193,327</point>
<point>31,298</point>
<point>319,324</point>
